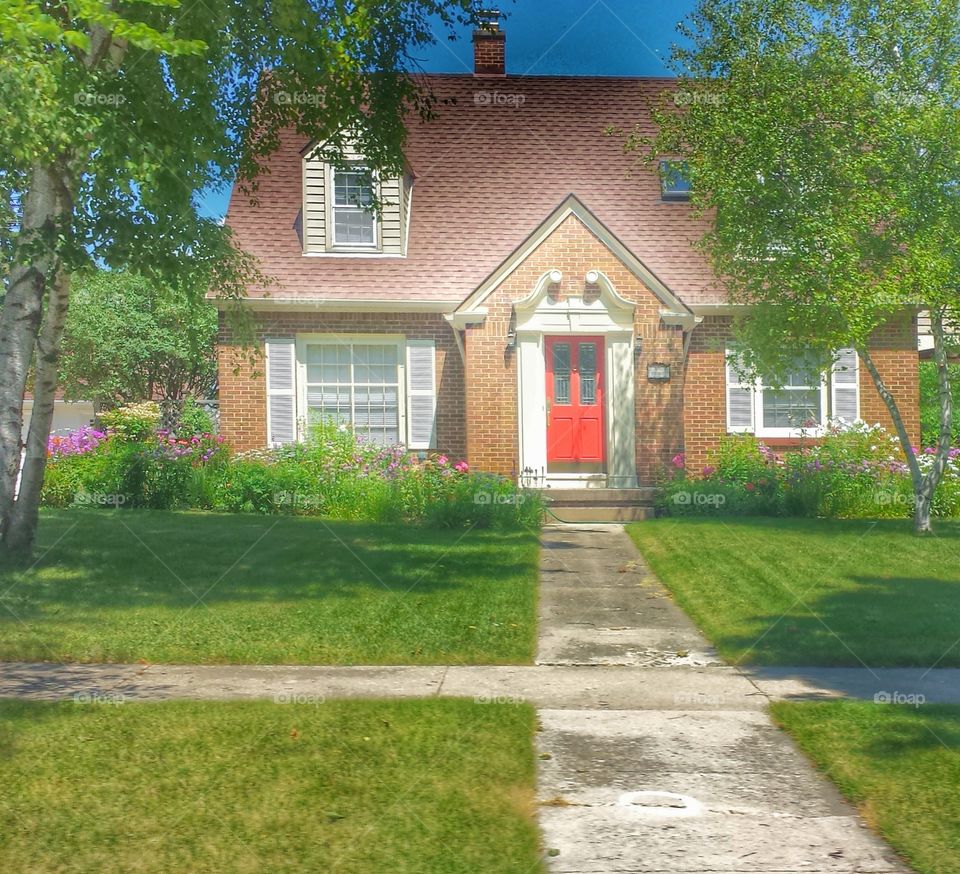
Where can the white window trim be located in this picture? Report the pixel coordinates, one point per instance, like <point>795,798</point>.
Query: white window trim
<point>399,341</point>
<point>330,185</point>
<point>757,387</point>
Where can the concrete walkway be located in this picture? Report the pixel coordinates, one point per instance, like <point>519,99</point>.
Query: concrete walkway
<point>654,755</point>
<point>702,783</point>
<point>590,686</point>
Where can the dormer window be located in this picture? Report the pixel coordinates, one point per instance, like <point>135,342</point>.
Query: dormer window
<point>353,210</point>
<point>354,221</point>
<point>674,181</point>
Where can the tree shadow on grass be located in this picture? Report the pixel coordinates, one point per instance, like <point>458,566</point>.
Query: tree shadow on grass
<point>908,729</point>
<point>896,621</point>
<point>121,559</point>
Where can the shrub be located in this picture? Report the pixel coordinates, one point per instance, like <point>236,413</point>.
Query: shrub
<point>333,474</point>
<point>132,422</point>
<point>194,420</point>
<point>853,472</point>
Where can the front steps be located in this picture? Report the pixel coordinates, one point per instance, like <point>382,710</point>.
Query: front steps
<point>599,505</point>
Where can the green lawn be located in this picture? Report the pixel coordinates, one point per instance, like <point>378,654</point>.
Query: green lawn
<point>406,787</point>
<point>123,586</point>
<point>898,763</point>
<point>813,592</point>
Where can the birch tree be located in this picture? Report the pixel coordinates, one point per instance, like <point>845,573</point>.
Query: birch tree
<point>115,114</point>
<point>823,138</point>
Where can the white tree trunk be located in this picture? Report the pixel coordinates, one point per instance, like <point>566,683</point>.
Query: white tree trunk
<point>20,320</point>
<point>22,530</point>
<point>924,485</point>
<point>934,476</point>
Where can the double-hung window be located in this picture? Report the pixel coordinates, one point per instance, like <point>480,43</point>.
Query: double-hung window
<point>803,404</point>
<point>798,405</point>
<point>357,384</point>
<point>352,214</point>
<point>382,386</point>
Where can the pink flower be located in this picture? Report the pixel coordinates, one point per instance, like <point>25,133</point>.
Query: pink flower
<point>709,471</point>
<point>749,487</point>
<point>442,459</point>
<point>461,467</point>
<point>678,460</point>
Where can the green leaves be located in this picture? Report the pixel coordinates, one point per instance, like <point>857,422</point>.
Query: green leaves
<point>826,140</point>
<point>129,337</point>
<point>140,106</point>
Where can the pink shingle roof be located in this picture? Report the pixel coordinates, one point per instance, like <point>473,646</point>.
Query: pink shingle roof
<point>487,175</point>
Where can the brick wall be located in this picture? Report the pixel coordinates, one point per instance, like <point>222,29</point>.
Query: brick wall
<point>478,405</point>
<point>243,399</point>
<point>492,428</point>
<point>489,52</point>
<point>893,350</point>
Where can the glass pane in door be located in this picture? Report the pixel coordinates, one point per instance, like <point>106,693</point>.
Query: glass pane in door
<point>588,373</point>
<point>561,373</point>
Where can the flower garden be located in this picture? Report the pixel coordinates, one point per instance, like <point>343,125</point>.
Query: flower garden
<point>854,471</point>
<point>132,462</point>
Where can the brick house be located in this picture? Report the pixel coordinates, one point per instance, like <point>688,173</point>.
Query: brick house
<point>524,298</point>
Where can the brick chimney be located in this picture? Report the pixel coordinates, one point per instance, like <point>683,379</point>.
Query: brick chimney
<point>489,46</point>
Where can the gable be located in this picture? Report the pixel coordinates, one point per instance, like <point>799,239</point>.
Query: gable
<point>573,208</point>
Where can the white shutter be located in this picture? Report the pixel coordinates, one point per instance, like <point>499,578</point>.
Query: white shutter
<point>740,399</point>
<point>281,391</point>
<point>421,394</point>
<point>845,385</point>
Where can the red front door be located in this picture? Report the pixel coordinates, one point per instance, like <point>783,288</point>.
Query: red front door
<point>575,404</point>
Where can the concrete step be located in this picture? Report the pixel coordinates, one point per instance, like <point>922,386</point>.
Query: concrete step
<point>596,497</point>
<point>599,514</point>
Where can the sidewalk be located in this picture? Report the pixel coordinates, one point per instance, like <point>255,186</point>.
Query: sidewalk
<point>594,685</point>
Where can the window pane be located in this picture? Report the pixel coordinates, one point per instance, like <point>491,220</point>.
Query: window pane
<point>561,373</point>
<point>328,403</point>
<point>356,384</point>
<point>588,373</point>
<point>377,414</point>
<point>791,408</point>
<point>674,180</point>
<point>352,188</point>
<point>352,225</point>
<point>375,364</point>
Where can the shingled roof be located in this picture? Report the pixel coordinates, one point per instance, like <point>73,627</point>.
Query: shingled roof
<point>487,173</point>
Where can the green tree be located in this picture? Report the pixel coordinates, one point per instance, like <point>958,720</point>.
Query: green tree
<point>824,139</point>
<point>129,338</point>
<point>930,402</point>
<point>114,116</point>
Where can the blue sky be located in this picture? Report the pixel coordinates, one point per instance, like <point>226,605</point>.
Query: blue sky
<point>561,37</point>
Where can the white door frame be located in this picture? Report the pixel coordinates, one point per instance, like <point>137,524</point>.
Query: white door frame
<point>607,314</point>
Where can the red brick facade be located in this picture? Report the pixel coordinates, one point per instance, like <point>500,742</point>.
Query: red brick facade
<point>477,403</point>
<point>243,398</point>
<point>894,351</point>
<point>492,406</point>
